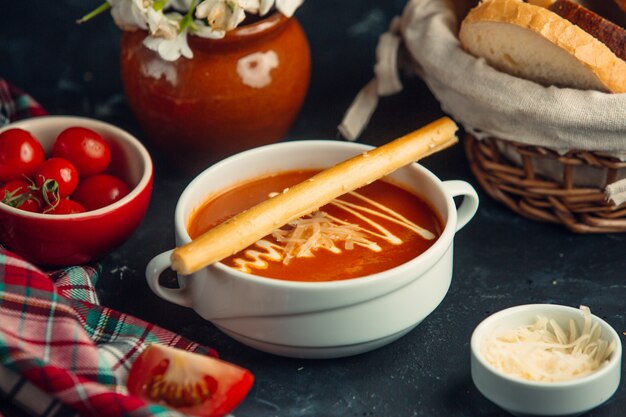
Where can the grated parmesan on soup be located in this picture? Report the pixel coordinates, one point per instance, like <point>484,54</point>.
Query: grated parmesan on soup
<point>319,230</point>
<point>543,351</point>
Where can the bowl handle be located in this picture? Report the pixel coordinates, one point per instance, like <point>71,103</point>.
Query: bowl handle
<point>155,268</point>
<point>469,205</point>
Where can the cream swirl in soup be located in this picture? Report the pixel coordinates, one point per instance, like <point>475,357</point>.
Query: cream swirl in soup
<point>375,228</point>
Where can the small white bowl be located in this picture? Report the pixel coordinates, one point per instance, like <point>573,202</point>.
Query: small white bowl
<point>530,398</point>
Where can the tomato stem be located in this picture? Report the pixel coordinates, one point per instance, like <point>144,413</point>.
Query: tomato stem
<point>10,198</point>
<point>17,197</point>
<point>50,187</point>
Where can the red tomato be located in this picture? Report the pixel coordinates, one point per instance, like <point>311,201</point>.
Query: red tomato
<point>60,170</point>
<point>20,154</point>
<point>193,384</point>
<point>13,189</point>
<point>99,191</point>
<point>66,206</point>
<point>86,149</point>
<point>20,194</point>
<point>31,204</point>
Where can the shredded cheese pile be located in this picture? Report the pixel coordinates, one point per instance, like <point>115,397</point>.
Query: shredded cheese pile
<point>315,231</point>
<point>543,351</point>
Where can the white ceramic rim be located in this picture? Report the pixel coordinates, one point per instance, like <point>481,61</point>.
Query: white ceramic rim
<point>127,137</point>
<point>438,248</point>
<point>478,335</point>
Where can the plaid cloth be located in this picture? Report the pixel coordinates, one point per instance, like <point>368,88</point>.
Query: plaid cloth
<point>16,105</point>
<point>61,353</point>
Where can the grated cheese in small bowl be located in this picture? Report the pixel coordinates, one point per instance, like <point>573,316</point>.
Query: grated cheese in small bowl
<point>543,351</point>
<point>546,360</point>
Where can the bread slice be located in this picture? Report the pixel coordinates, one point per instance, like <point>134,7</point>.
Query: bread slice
<point>534,43</point>
<point>605,31</point>
<point>608,9</point>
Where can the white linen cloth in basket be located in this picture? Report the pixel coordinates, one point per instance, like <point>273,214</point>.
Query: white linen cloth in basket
<point>485,101</point>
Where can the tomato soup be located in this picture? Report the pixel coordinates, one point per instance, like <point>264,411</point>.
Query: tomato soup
<point>366,231</point>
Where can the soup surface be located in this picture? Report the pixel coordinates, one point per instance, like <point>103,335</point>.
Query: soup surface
<point>372,229</point>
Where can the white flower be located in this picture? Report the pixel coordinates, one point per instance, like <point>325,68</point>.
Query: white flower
<point>170,49</point>
<point>221,14</point>
<point>250,6</point>
<point>288,7</point>
<point>204,31</point>
<point>160,25</point>
<point>168,31</point>
<point>261,7</point>
<point>265,6</point>
<point>179,5</point>
<point>130,14</point>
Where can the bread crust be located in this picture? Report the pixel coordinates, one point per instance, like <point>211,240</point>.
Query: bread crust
<point>605,31</point>
<point>589,51</point>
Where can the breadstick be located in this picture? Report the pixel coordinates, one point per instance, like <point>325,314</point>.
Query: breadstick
<point>247,227</point>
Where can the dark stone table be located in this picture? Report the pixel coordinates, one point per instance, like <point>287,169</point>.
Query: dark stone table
<point>500,260</point>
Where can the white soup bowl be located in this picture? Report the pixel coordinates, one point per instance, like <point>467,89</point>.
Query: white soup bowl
<point>316,319</point>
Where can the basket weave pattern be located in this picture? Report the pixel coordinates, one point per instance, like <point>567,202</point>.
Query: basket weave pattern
<point>557,200</point>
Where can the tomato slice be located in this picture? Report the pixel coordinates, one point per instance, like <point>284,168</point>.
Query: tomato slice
<point>193,384</point>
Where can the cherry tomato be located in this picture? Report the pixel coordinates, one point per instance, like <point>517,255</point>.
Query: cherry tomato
<point>31,204</point>
<point>100,190</point>
<point>65,206</point>
<point>193,384</point>
<point>86,149</point>
<point>20,154</point>
<point>20,194</point>
<point>60,170</point>
<point>13,189</point>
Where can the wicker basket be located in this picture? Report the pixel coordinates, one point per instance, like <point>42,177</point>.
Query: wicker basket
<point>510,173</point>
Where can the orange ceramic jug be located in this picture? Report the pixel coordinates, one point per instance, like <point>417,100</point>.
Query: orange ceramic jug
<point>236,93</point>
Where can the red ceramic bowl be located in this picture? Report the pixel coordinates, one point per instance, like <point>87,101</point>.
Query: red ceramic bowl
<point>73,239</point>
